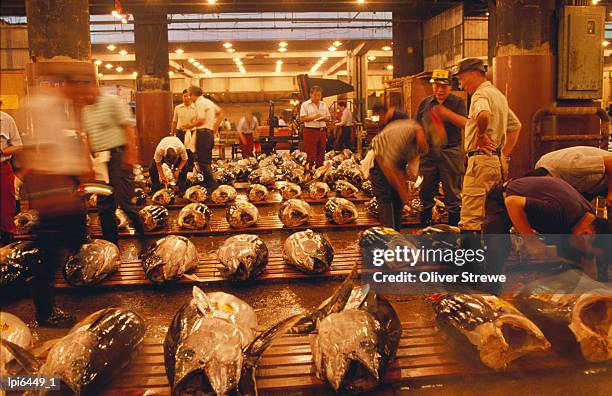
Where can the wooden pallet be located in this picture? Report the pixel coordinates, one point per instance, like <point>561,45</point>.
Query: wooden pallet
<point>424,357</point>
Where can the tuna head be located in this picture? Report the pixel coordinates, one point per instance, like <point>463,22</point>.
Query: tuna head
<point>345,351</point>
<point>169,258</point>
<point>308,251</point>
<point>243,256</point>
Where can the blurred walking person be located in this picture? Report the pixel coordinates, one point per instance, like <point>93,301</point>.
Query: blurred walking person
<point>10,143</point>
<point>246,127</point>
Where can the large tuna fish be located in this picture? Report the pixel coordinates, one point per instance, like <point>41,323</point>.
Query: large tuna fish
<point>294,213</point>
<point>318,190</point>
<point>346,189</point>
<point>493,327</point>
<point>93,263</point>
<point>139,198</point>
<point>223,194</point>
<point>16,262</point>
<point>257,193</point>
<point>14,330</point>
<point>366,186</point>
<point>290,190</point>
<point>170,258</point>
<point>211,347</point>
<point>196,194</point>
<point>308,251</point>
<point>194,216</point>
<point>242,215</point>
<point>372,207</point>
<point>163,197</point>
<point>574,311</point>
<point>95,351</point>
<point>264,175</point>
<point>340,211</point>
<point>243,257</point>
<point>26,220</point>
<point>154,216</point>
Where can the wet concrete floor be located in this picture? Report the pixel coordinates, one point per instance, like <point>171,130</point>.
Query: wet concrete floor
<point>277,300</point>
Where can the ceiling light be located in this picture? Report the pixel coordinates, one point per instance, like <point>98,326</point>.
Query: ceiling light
<point>242,71</point>
<point>100,75</point>
<point>171,73</point>
<point>108,66</point>
<point>331,49</point>
<point>135,74</point>
<point>324,58</point>
<point>389,67</point>
<point>208,72</point>
<point>282,49</point>
<point>239,63</point>
<point>360,1</point>
<point>282,44</point>
<point>237,59</point>
<point>230,50</point>
<point>119,69</point>
<point>212,1</point>
<point>179,50</point>
<point>319,62</point>
<point>115,14</point>
<point>605,43</point>
<point>124,20</point>
<point>191,60</point>
<point>337,43</point>
<point>98,62</point>
<point>111,47</point>
<point>279,62</point>
<point>196,63</point>
<point>123,52</point>
<point>595,2</point>
<point>201,67</point>
<point>371,58</point>
<point>386,48</point>
<point>227,45</point>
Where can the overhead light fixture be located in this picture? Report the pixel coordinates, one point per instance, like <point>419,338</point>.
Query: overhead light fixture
<point>227,45</point>
<point>109,66</point>
<point>119,69</point>
<point>115,14</point>
<point>242,71</point>
<point>231,50</point>
<point>239,63</point>
<point>123,52</point>
<point>282,44</point>
<point>337,43</point>
<point>331,49</point>
<point>282,49</point>
<point>595,2</point>
<point>201,67</point>
<point>100,75</point>
<point>135,74</point>
<point>605,43</point>
<point>371,58</point>
<point>386,48</point>
<point>389,67</point>
<point>207,72</point>
<point>279,62</point>
<point>237,59</point>
<point>111,47</point>
<point>196,63</point>
<point>171,73</point>
<point>212,1</point>
<point>179,51</point>
<point>360,1</point>
<point>98,62</point>
<point>324,58</point>
<point>191,60</point>
<point>124,20</point>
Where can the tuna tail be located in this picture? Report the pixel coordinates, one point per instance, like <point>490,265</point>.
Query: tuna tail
<point>25,358</point>
<point>335,303</point>
<point>201,300</point>
<point>253,352</point>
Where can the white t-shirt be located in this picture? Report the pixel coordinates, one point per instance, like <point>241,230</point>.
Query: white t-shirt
<point>184,115</point>
<point>165,144</point>
<point>309,109</point>
<point>206,109</point>
<point>247,127</point>
<point>347,118</point>
<point>9,135</point>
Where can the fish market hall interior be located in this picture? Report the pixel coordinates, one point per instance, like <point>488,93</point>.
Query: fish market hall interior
<point>306,197</point>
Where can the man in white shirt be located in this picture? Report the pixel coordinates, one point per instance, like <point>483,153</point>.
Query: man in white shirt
<point>314,114</point>
<point>184,114</point>
<point>344,128</point>
<point>10,143</point>
<point>246,127</point>
<point>171,151</point>
<point>208,118</point>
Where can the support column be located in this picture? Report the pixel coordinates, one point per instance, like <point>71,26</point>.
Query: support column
<point>524,66</point>
<point>407,45</point>
<point>153,96</point>
<point>357,67</point>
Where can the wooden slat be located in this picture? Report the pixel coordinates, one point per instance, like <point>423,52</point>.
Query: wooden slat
<point>287,364</point>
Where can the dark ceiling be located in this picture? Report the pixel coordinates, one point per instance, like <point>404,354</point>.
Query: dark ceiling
<point>421,9</point>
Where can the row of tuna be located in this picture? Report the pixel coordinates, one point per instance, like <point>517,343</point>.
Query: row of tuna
<point>212,345</point>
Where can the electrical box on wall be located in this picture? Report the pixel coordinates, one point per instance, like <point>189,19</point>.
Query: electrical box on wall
<point>581,34</point>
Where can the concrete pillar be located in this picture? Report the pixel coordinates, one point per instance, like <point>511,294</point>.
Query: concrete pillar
<point>153,96</point>
<point>357,67</point>
<point>524,65</point>
<point>407,45</point>
<point>58,29</point>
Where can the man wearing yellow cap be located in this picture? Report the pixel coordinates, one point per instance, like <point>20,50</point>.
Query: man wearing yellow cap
<point>446,164</point>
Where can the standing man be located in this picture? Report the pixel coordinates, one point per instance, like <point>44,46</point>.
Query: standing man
<point>344,128</point>
<point>184,114</point>
<point>314,114</point>
<point>112,139</point>
<point>10,143</point>
<point>172,152</point>
<point>208,118</point>
<point>491,132</point>
<point>394,149</point>
<point>448,163</point>
<point>246,128</point>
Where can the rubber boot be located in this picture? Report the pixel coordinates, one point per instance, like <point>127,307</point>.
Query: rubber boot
<point>453,218</point>
<point>387,216</point>
<point>209,179</point>
<point>425,218</point>
<point>47,313</point>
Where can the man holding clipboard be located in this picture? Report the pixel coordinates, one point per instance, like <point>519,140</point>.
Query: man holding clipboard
<point>314,114</point>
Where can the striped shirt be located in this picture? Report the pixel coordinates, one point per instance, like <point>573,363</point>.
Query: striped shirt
<point>396,144</point>
<point>104,121</point>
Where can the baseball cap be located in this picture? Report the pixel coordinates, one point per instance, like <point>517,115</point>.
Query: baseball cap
<point>440,76</point>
